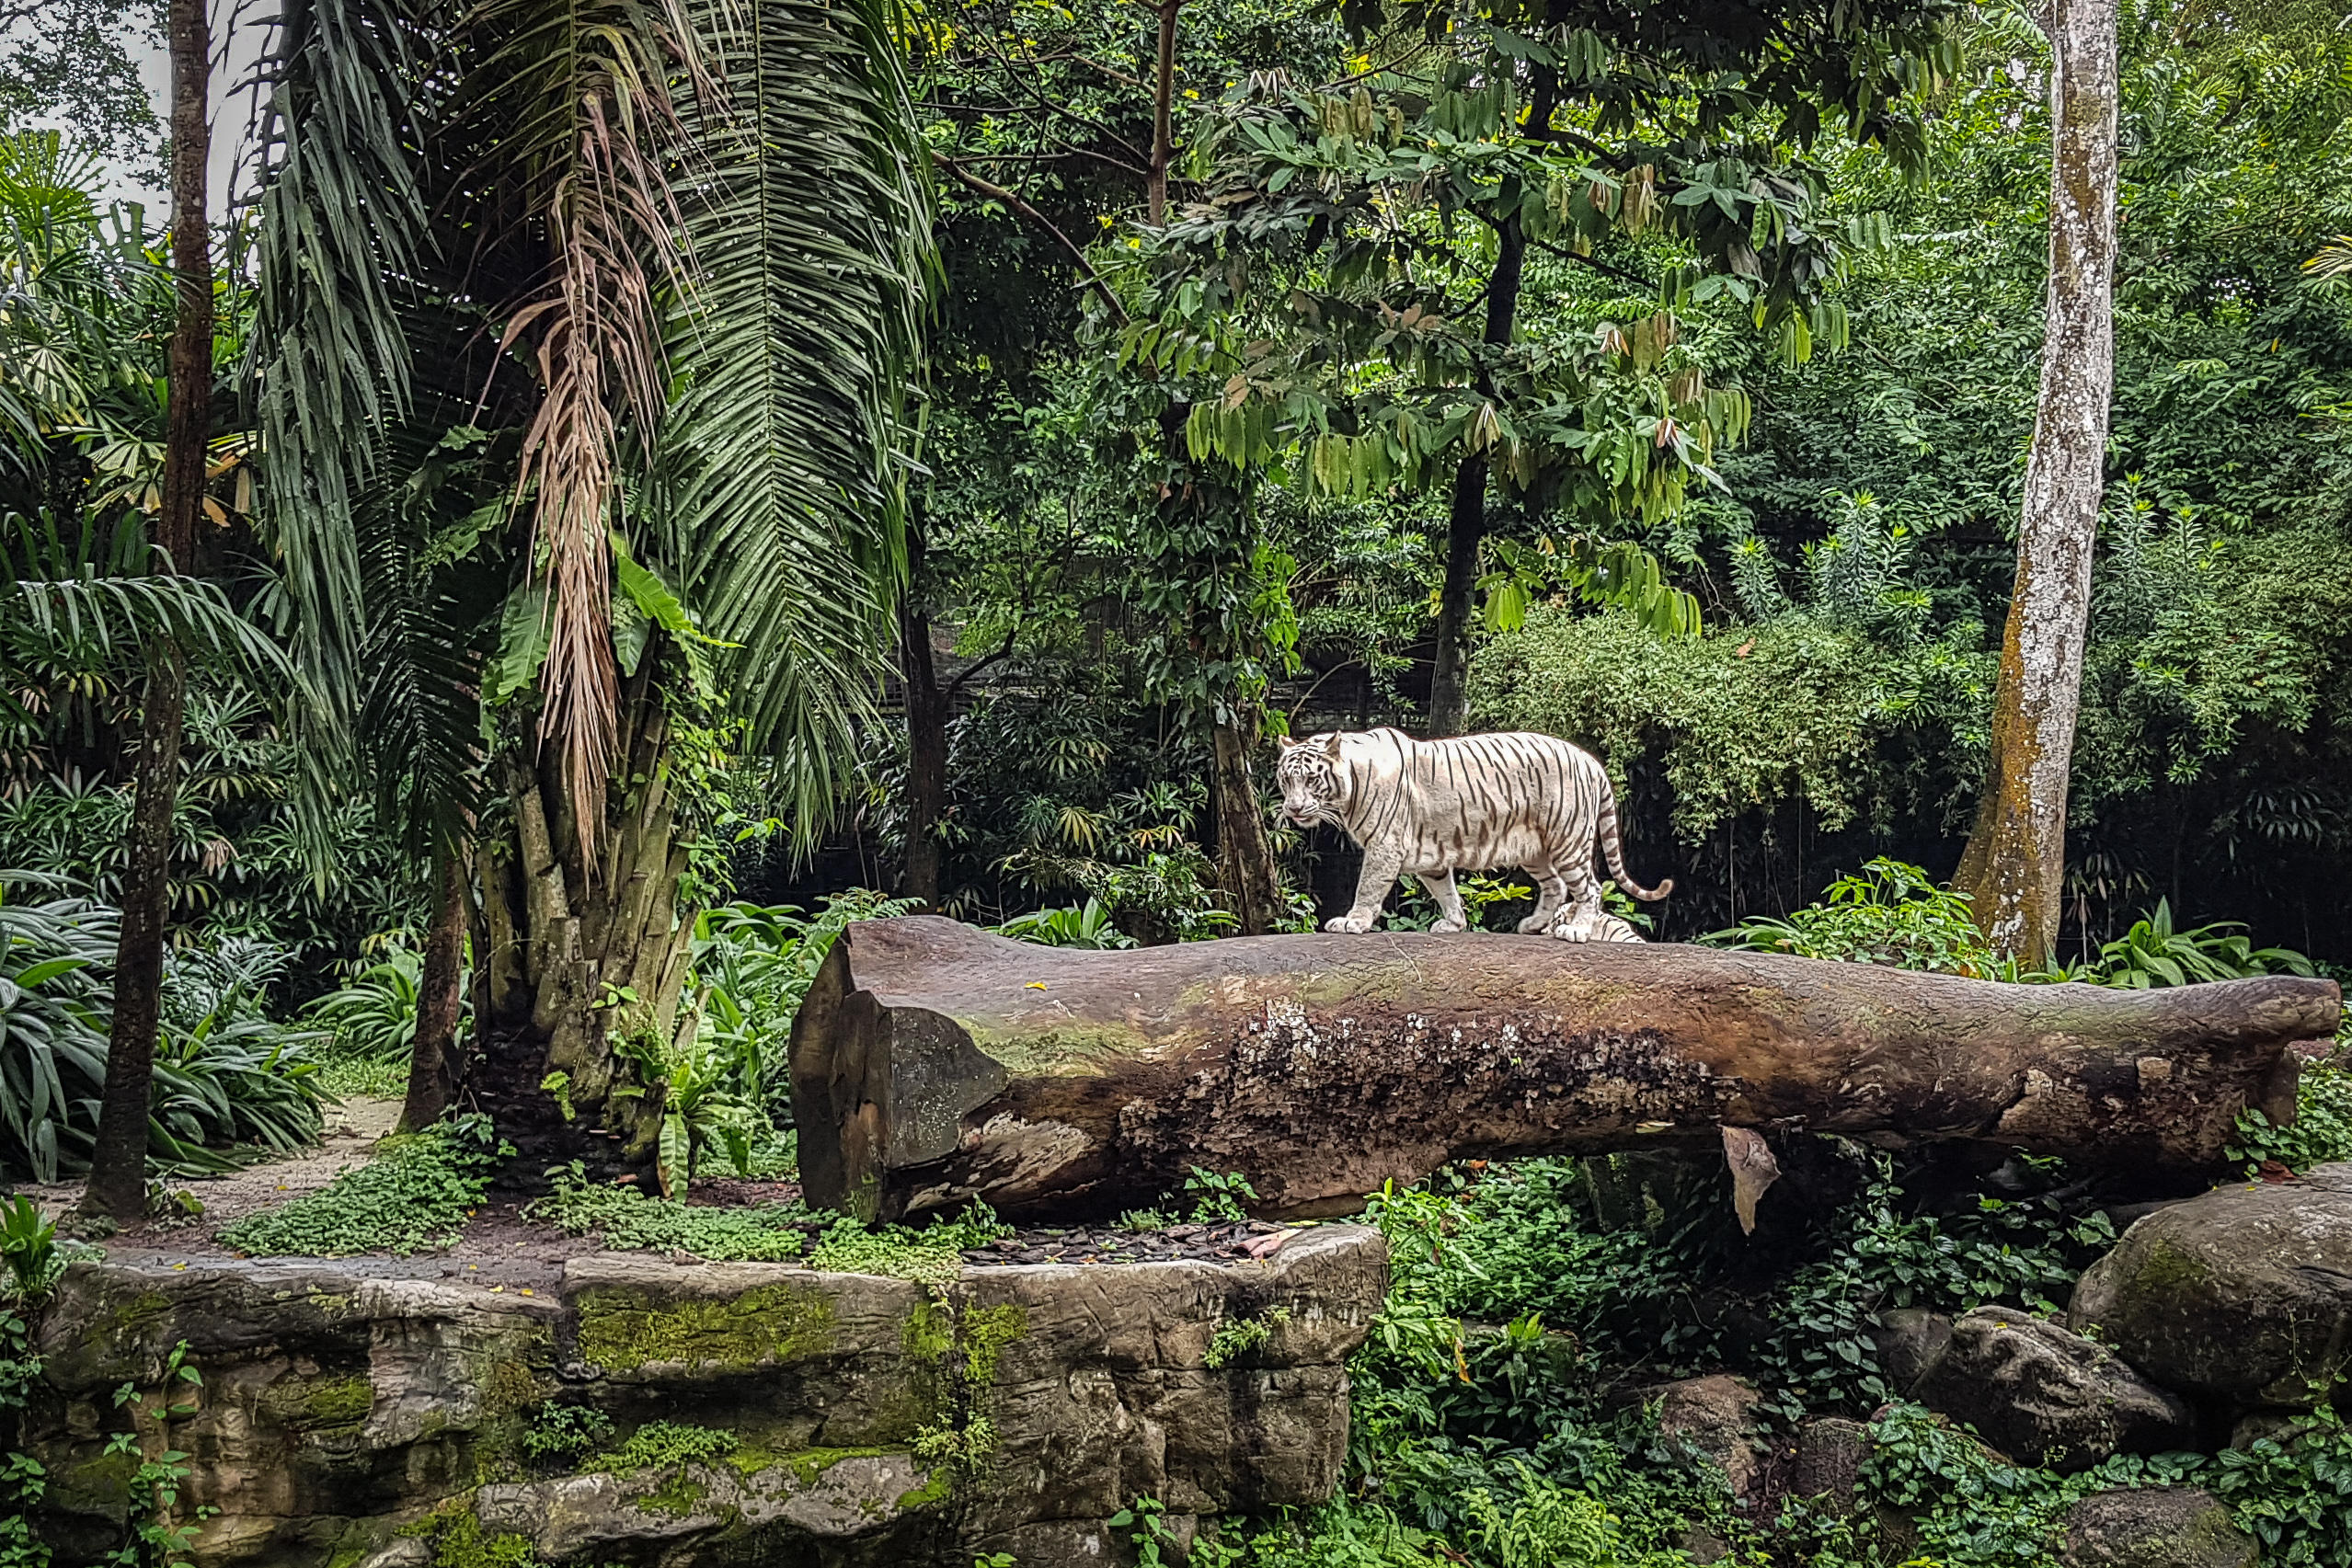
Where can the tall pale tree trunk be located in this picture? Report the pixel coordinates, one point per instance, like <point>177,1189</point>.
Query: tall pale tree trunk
<point>433,1056</point>
<point>118,1186</point>
<point>582,961</point>
<point>2015,863</point>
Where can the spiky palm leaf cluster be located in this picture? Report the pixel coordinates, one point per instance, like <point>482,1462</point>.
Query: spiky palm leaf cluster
<point>537,277</point>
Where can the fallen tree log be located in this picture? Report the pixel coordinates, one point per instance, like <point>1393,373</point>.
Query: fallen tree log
<point>932,1063</point>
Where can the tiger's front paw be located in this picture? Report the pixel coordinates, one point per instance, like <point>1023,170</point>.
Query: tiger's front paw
<point>1445,926</point>
<point>1347,926</point>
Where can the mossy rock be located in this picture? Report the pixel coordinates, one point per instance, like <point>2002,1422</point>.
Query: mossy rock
<point>625,1330</point>
<point>2235,1295</point>
<point>2179,1527</point>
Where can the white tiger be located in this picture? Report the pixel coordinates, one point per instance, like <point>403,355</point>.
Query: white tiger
<point>1429,808</point>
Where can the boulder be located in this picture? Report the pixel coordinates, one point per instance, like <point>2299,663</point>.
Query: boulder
<point>2179,1527</point>
<point>2244,1294</point>
<point>1908,1339</point>
<point>368,1415</point>
<point>2042,1394</point>
<point>1827,1469</point>
<point>1717,1416</point>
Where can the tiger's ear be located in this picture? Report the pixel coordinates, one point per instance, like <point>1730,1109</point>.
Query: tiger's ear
<point>1285,743</point>
<point>1331,743</point>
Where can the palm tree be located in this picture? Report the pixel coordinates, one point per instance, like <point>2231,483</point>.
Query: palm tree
<point>585,328</point>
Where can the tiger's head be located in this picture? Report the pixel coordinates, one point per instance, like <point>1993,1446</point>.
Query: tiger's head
<point>1313,786</point>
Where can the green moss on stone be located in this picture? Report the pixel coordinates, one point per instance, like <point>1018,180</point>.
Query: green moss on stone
<point>509,1385</point>
<point>458,1541</point>
<point>938,1488</point>
<point>929,1333</point>
<point>106,1332</point>
<point>2165,1272</point>
<point>986,1332</point>
<point>320,1402</point>
<point>620,1331</point>
<point>680,1496</point>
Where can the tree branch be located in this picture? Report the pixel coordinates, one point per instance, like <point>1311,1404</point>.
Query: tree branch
<point>1597,265</point>
<point>996,192</point>
<point>982,663</point>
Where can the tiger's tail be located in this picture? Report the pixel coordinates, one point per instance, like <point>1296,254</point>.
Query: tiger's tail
<point>1614,852</point>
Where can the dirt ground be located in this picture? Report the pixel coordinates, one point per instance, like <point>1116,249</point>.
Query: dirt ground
<point>499,1250</point>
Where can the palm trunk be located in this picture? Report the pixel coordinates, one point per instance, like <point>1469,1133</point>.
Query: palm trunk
<point>584,963</point>
<point>118,1186</point>
<point>2015,863</point>
<point>432,1057</point>
<point>1244,853</point>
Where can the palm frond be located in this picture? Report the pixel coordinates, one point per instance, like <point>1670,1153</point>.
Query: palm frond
<point>343,231</point>
<point>581,97</point>
<point>780,498</point>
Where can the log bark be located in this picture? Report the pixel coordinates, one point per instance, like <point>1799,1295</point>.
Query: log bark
<point>2015,863</point>
<point>934,1063</point>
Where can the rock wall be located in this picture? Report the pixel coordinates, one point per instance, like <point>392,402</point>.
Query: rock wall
<point>350,1417</point>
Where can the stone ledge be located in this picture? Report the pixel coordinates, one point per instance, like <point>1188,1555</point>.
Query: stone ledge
<point>352,1413</point>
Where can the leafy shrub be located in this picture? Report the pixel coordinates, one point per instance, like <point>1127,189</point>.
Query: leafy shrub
<point>224,1073</point>
<point>28,1247</point>
<point>1544,1525</point>
<point>374,1017</point>
<point>753,965</point>
<point>661,1444</point>
<point>1069,926</point>
<point>416,1194</point>
<point>2153,953</point>
<point>564,1432</point>
<point>2322,1125</point>
<point>629,1221</point>
<point>2295,1491</point>
<point>1217,1199</point>
<point>1234,1340</point>
<point>1890,913</point>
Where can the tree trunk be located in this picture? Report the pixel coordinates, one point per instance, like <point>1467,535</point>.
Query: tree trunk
<point>932,1063</point>
<point>118,1186</point>
<point>1465,532</point>
<point>927,746</point>
<point>2015,863</point>
<point>1466,517</point>
<point>580,977</point>
<point>1245,855</point>
<point>433,1057</point>
<point>1162,115</point>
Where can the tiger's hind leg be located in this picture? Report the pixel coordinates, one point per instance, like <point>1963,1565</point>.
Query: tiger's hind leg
<point>1449,897</point>
<point>1581,919</point>
<point>1551,892</point>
